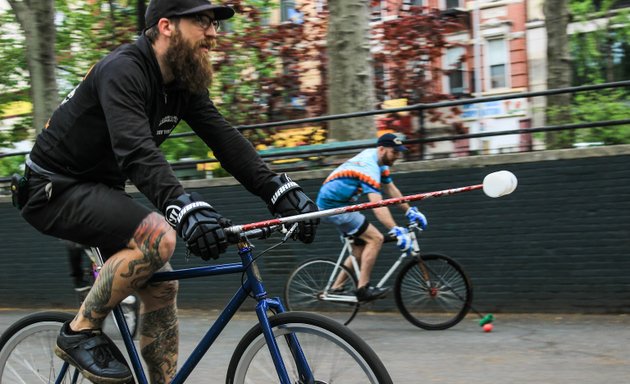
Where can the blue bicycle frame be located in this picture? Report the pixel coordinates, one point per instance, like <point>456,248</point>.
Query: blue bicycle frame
<point>252,285</point>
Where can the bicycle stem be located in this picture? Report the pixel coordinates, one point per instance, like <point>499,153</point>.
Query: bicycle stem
<point>236,229</point>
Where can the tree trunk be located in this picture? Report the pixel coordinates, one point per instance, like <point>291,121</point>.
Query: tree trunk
<point>558,71</point>
<point>350,69</point>
<point>36,17</point>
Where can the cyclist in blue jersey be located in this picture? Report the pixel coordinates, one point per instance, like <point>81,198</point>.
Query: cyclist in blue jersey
<point>368,174</point>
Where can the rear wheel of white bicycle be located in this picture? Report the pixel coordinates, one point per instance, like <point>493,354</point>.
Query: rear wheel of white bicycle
<point>305,290</point>
<point>333,352</point>
<point>26,351</point>
<point>433,293</point>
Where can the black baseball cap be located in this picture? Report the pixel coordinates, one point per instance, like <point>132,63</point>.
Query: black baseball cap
<point>158,9</point>
<point>392,141</point>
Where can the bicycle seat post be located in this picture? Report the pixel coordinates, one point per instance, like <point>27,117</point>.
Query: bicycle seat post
<point>95,255</point>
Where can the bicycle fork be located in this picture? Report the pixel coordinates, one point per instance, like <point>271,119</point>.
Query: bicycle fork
<point>266,304</point>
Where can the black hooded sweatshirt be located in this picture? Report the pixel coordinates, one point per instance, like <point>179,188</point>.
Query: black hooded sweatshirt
<point>109,127</point>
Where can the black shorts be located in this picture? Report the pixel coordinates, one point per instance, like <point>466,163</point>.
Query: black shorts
<point>87,213</point>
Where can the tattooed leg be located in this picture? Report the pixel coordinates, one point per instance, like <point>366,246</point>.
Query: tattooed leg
<point>159,336</point>
<point>151,247</point>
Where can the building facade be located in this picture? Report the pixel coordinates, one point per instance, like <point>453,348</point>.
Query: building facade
<point>487,56</point>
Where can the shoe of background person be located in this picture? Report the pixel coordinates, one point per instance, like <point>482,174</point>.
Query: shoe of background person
<point>81,286</point>
<point>336,291</point>
<point>94,354</point>
<point>369,293</point>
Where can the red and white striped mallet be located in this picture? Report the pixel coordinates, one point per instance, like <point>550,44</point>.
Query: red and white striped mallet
<point>494,185</point>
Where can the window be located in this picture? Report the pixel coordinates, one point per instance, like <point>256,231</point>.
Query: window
<point>497,63</point>
<point>449,4</point>
<point>376,12</point>
<point>620,60</point>
<point>456,75</point>
<point>380,81</point>
<point>407,4</point>
<point>599,56</point>
<point>288,12</point>
<point>412,3</point>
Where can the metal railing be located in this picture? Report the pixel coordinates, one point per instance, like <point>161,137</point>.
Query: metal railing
<point>420,108</point>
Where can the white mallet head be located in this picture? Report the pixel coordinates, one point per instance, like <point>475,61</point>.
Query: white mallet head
<point>501,183</point>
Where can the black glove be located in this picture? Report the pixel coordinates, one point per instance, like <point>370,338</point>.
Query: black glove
<point>198,224</point>
<point>285,197</point>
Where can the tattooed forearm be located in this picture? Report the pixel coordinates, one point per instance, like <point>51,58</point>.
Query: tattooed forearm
<point>95,307</point>
<point>160,342</point>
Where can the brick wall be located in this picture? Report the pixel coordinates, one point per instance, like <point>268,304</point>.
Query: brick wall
<point>559,243</point>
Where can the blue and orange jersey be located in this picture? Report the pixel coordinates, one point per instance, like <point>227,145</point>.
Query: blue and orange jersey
<point>347,183</point>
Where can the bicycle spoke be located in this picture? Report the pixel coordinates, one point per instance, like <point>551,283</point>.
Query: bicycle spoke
<point>305,291</point>
<point>27,355</point>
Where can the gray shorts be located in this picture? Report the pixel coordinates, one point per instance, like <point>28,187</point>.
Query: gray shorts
<point>349,224</point>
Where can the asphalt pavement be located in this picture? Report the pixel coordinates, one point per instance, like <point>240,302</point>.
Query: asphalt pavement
<point>522,348</point>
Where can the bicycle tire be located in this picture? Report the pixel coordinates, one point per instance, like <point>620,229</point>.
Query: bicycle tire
<point>335,354</point>
<point>26,351</point>
<point>304,289</point>
<point>438,304</point>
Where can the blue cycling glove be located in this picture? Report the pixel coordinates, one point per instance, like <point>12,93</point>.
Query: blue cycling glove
<point>416,216</point>
<point>403,241</point>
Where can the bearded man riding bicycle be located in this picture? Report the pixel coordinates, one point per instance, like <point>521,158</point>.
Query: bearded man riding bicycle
<point>367,173</point>
<point>108,130</point>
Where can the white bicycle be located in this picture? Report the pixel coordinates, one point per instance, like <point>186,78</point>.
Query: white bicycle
<point>432,291</point>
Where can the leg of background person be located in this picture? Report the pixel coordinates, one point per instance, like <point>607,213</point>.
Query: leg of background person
<point>159,332</point>
<point>75,256</point>
<point>373,242</point>
<point>357,250</point>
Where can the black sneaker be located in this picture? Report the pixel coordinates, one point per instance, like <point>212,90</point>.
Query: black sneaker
<point>94,354</point>
<point>369,293</point>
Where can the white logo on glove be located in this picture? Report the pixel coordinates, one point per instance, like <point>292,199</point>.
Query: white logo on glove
<point>171,214</point>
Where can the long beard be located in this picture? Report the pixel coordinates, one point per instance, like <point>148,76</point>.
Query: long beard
<point>189,64</point>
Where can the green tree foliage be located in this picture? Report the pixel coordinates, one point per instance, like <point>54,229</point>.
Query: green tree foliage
<point>12,60</point>
<point>259,74</point>
<point>599,55</point>
<point>263,73</point>
<point>13,73</point>
<point>86,32</point>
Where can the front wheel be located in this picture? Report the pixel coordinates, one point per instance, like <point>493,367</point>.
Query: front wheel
<point>433,292</point>
<point>333,353</point>
<point>305,290</point>
<point>26,351</point>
